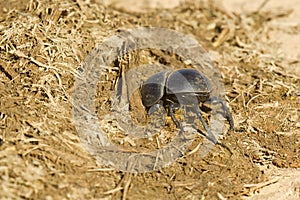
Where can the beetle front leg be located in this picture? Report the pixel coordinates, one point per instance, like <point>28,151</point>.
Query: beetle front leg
<point>192,110</point>
<point>210,136</point>
<point>172,108</point>
<point>228,116</point>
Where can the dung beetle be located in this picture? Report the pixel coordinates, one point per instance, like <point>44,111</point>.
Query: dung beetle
<point>183,88</point>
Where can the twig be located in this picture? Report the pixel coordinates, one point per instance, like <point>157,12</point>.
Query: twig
<point>262,5</point>
<point>222,37</point>
<point>101,170</point>
<point>254,187</point>
<point>126,187</point>
<point>113,190</point>
<point>20,54</point>
<point>195,149</point>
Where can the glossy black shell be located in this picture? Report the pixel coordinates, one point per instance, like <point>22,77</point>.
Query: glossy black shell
<point>183,81</point>
<point>187,81</point>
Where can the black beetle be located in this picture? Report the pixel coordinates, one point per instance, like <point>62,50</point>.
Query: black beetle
<point>183,88</point>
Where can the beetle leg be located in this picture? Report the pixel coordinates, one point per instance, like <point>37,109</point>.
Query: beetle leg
<point>228,116</point>
<point>172,108</point>
<point>157,115</point>
<point>195,109</point>
<point>210,136</point>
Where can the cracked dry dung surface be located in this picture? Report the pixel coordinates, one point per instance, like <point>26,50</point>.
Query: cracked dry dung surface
<point>43,43</point>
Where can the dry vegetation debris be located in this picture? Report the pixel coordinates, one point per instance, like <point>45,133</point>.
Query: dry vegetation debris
<point>42,43</point>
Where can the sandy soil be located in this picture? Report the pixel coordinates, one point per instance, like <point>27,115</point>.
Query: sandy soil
<point>43,44</point>
<point>287,182</point>
<point>288,42</point>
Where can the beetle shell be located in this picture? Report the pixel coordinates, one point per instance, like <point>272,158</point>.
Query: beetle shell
<point>183,81</point>
<point>153,89</point>
<point>188,81</point>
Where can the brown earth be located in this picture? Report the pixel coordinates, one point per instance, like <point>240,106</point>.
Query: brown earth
<point>43,43</point>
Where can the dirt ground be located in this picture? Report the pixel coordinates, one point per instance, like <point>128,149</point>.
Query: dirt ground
<point>42,45</point>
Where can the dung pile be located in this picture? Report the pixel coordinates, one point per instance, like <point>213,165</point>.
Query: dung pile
<point>43,43</point>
